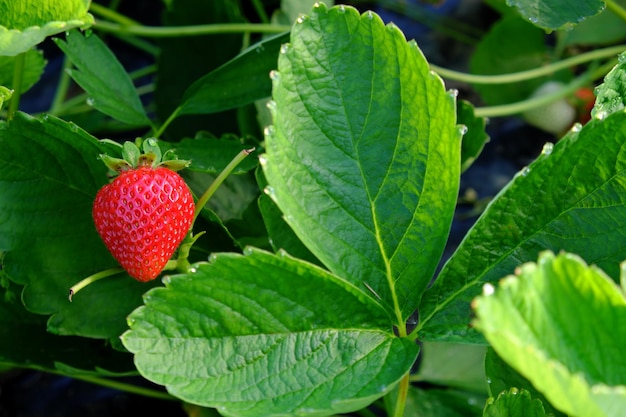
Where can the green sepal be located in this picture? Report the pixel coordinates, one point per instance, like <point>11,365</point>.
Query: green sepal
<point>175,164</point>
<point>151,146</point>
<point>131,153</point>
<point>115,165</point>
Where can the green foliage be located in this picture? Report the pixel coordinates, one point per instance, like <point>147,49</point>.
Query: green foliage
<point>356,161</point>
<point>575,377</point>
<point>349,150</point>
<point>554,204</point>
<point>101,75</point>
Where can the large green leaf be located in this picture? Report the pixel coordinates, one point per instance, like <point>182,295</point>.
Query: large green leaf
<point>556,14</point>
<point>560,323</point>
<point>25,23</point>
<point>102,76</point>
<point>240,81</point>
<point>364,174</point>
<point>49,177</point>
<point>611,94</point>
<point>438,402</point>
<point>266,334</point>
<point>571,199</point>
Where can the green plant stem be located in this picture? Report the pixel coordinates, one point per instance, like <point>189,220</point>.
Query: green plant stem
<point>192,30</point>
<point>403,392</point>
<point>62,87</point>
<point>18,75</point>
<point>531,103</point>
<point>93,278</point>
<point>549,69</point>
<point>158,132</point>
<point>616,9</point>
<point>122,386</point>
<point>111,14</point>
<point>219,180</point>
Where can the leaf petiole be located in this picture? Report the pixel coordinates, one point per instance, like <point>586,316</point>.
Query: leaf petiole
<point>93,278</point>
<point>220,179</point>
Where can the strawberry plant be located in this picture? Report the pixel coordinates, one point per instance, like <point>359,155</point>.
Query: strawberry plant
<point>298,264</point>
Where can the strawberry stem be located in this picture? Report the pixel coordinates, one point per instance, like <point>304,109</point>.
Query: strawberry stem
<point>93,278</point>
<point>219,180</point>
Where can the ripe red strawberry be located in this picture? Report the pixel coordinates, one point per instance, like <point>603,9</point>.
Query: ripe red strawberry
<point>144,214</point>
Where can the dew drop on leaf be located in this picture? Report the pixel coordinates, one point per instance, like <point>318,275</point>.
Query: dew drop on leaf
<point>601,115</point>
<point>577,127</point>
<point>342,8</point>
<point>263,159</point>
<point>462,129</point>
<point>212,257</point>
<point>271,105</point>
<point>453,92</point>
<point>269,190</point>
<point>284,48</point>
<point>269,130</point>
<point>547,148</point>
<point>488,289</point>
<point>90,101</point>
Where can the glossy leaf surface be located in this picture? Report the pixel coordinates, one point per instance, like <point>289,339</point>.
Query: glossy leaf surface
<point>571,198</point>
<point>611,94</point>
<point>556,14</point>
<point>102,76</point>
<point>362,173</point>
<point>266,334</point>
<point>528,320</point>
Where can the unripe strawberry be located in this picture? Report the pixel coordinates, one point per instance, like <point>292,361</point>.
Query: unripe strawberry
<point>144,214</point>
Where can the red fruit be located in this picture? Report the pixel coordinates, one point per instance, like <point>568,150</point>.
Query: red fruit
<point>142,216</point>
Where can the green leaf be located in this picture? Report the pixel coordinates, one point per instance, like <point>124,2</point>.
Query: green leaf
<point>611,94</point>
<point>556,14</point>
<point>571,198</point>
<point>265,334</point>
<point>475,137</point>
<point>443,403</point>
<point>34,65</point>
<point>514,403</point>
<point>240,81</point>
<point>26,23</point>
<point>501,377</point>
<point>281,236</point>
<point>452,365</point>
<point>364,175</point>
<point>211,155</point>
<point>601,29</point>
<point>531,317</point>
<point>26,343</point>
<point>102,76</point>
<point>5,94</point>
<point>49,177</point>
<point>511,45</point>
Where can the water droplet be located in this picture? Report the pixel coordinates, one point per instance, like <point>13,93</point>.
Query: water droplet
<point>263,159</point>
<point>622,58</point>
<point>152,142</point>
<point>547,148</point>
<point>533,19</point>
<point>523,172</point>
<point>166,279</point>
<point>73,127</point>
<point>269,190</point>
<point>577,127</point>
<point>259,49</point>
<point>514,391</point>
<point>301,19</point>
<point>601,115</point>
<point>193,270</point>
<point>284,48</point>
<point>369,14</point>
<point>462,129</point>
<point>269,131</point>
<point>488,289</point>
<point>568,27</point>
<point>90,101</point>
<point>342,8</point>
<point>453,92</point>
<point>212,257</point>
<point>282,253</point>
<point>271,105</point>
<point>488,380</point>
<point>248,250</point>
<point>275,75</point>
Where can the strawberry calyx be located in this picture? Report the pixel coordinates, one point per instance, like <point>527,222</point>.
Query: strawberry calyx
<point>133,157</point>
